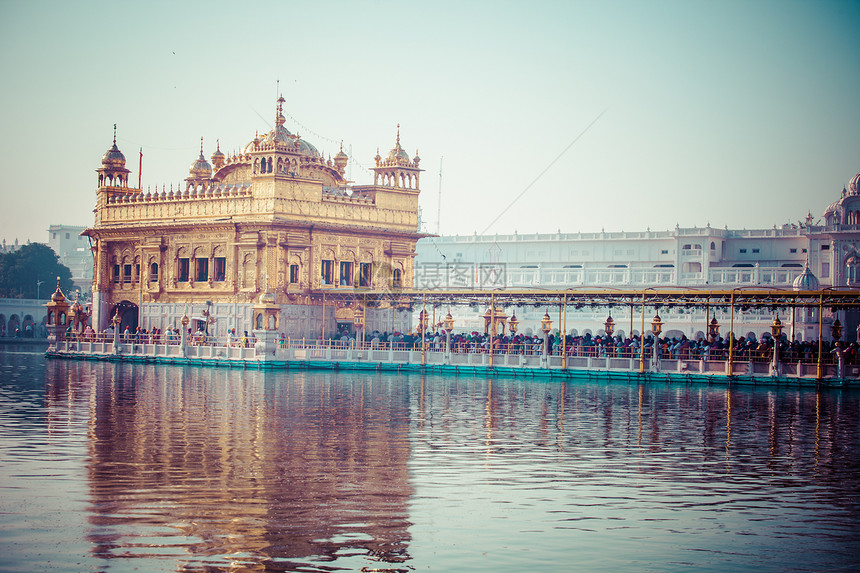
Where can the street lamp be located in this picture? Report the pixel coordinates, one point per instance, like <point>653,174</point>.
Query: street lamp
<point>115,321</point>
<point>38,284</point>
<point>656,328</point>
<point>513,323</point>
<point>183,337</point>
<point>207,316</point>
<point>448,325</point>
<point>836,330</point>
<point>776,331</point>
<point>546,326</point>
<point>714,329</point>
<point>609,326</point>
<point>423,320</point>
<point>358,320</point>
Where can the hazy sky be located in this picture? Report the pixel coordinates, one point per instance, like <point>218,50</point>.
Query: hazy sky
<point>744,114</point>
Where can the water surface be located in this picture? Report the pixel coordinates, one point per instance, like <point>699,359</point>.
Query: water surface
<point>121,467</point>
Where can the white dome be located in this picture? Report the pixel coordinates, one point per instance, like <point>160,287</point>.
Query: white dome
<point>806,281</point>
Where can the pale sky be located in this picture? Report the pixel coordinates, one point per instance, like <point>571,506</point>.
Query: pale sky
<point>745,114</point>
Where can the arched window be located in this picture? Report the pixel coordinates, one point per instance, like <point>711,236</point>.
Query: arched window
<point>852,271</point>
<point>260,321</point>
<point>397,279</point>
<point>153,272</point>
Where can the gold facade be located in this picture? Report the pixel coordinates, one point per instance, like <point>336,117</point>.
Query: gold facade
<point>276,218</point>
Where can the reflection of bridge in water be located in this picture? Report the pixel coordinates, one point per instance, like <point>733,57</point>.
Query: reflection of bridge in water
<point>273,350</point>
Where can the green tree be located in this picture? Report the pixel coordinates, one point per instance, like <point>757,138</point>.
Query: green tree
<point>20,270</point>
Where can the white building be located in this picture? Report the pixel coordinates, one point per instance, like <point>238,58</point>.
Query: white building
<point>687,257</point>
<point>74,252</point>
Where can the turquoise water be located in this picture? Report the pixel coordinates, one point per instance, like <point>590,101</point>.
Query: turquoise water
<point>124,467</point>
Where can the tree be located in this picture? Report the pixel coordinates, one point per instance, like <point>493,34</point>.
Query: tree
<point>19,271</point>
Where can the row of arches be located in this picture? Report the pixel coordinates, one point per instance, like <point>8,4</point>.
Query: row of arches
<point>283,165</point>
<point>402,179</point>
<point>21,327</point>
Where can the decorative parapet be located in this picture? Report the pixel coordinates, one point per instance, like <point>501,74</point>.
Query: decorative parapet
<point>200,191</point>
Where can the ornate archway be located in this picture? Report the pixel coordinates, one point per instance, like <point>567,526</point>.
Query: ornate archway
<point>128,313</point>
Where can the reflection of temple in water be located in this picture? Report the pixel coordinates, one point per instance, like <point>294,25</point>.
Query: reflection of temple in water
<point>249,467</point>
<point>302,471</point>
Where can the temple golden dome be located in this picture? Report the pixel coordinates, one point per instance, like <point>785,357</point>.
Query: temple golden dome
<point>201,169</point>
<point>113,157</point>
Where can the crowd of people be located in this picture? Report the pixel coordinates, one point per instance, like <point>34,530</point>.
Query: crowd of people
<point>747,348</point>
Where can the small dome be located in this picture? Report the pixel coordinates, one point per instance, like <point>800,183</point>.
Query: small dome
<point>113,157</point>
<point>252,145</point>
<point>307,148</point>
<point>217,155</point>
<point>806,281</point>
<point>279,135</point>
<point>58,295</point>
<point>201,169</point>
<point>854,185</point>
<point>398,155</point>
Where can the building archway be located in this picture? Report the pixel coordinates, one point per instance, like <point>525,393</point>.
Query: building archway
<point>28,326</point>
<point>14,326</point>
<point>128,314</point>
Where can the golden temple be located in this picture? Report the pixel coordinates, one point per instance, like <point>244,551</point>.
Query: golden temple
<point>274,226</point>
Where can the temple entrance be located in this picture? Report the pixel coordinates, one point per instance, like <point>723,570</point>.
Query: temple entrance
<point>127,313</point>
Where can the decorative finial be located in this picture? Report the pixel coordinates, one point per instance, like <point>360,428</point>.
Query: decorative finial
<point>218,145</point>
<point>201,145</point>
<point>341,145</point>
<point>114,134</point>
<point>398,134</point>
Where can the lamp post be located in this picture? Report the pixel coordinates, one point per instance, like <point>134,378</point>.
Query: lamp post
<point>609,326</point>
<point>423,320</point>
<point>183,336</point>
<point>115,321</point>
<point>714,329</point>
<point>358,322</point>
<point>836,333</point>
<point>713,334</point>
<point>776,331</point>
<point>656,328</point>
<point>208,318</point>
<point>38,284</point>
<point>513,323</point>
<point>546,326</point>
<point>448,325</point>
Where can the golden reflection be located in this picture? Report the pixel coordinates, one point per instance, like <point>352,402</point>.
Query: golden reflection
<point>488,420</point>
<point>728,428</point>
<point>817,426</point>
<point>235,463</point>
<point>560,418</point>
<point>639,417</point>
